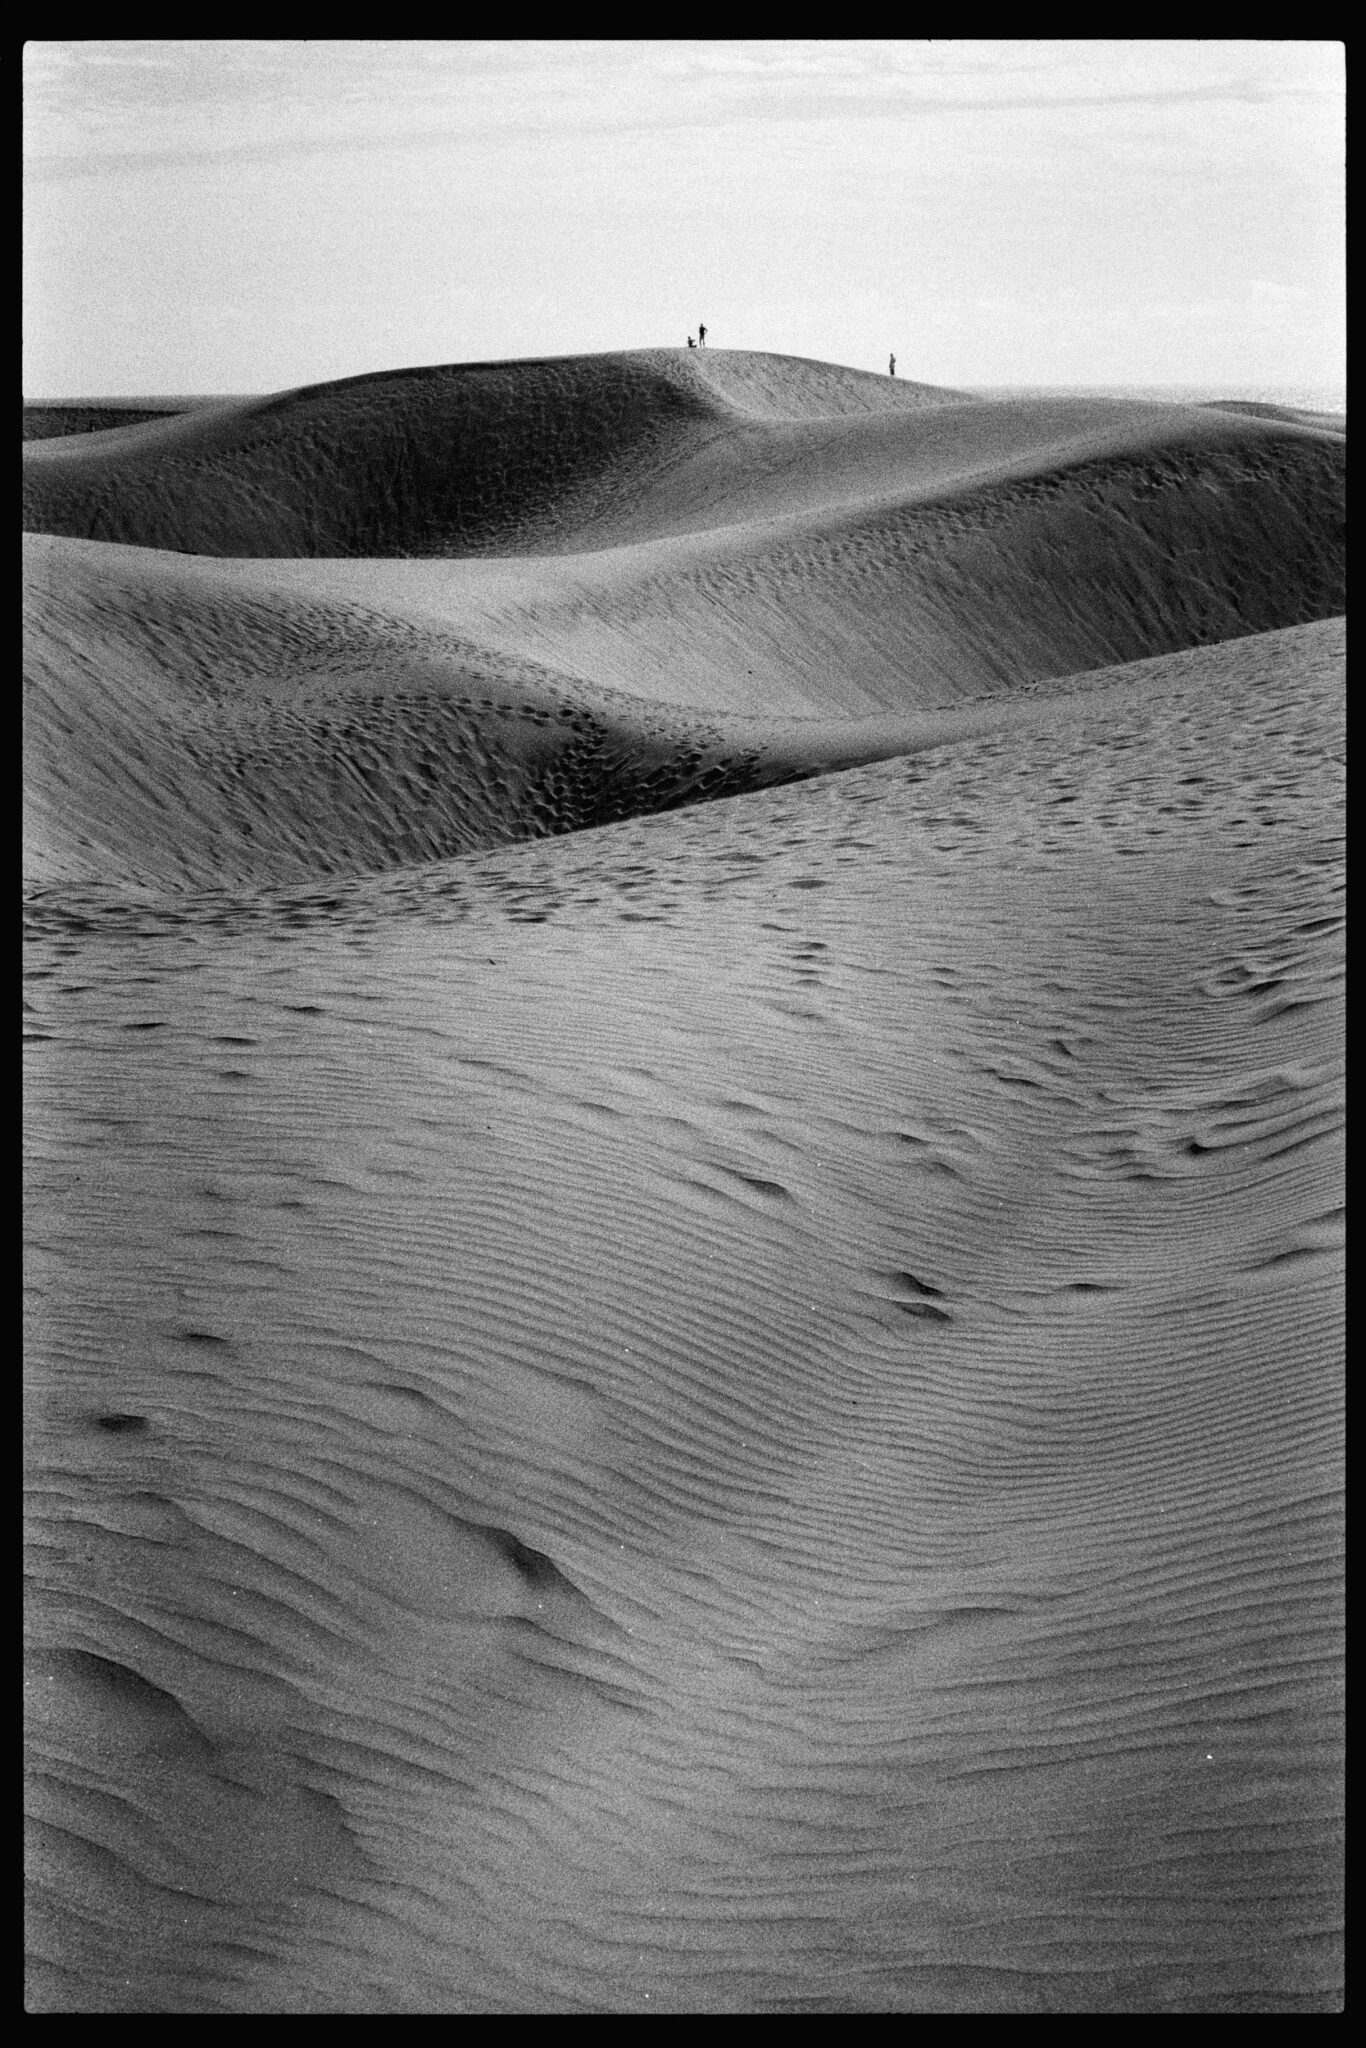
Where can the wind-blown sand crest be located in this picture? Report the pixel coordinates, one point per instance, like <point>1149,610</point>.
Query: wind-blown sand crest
<point>685,1197</point>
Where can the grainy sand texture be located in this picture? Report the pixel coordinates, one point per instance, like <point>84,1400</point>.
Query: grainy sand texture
<point>685,1197</point>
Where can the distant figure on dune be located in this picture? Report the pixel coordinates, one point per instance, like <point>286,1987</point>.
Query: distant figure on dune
<point>691,342</point>
<point>701,335</point>
<point>891,366</point>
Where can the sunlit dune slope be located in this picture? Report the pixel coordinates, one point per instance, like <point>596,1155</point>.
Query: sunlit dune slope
<point>738,1411</point>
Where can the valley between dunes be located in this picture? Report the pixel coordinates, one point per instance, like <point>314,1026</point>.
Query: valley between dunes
<point>684,1197</point>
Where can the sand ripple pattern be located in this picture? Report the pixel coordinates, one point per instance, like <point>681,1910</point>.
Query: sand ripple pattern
<point>686,1394</point>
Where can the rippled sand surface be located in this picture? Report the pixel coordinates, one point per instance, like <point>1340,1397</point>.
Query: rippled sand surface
<point>684,1124</point>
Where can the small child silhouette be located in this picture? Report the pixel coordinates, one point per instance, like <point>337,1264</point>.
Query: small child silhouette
<point>691,342</point>
<point>891,366</point>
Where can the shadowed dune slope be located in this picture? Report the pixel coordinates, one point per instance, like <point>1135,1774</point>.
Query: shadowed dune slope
<point>438,461</point>
<point>736,1411</point>
<point>575,453</point>
<point>53,422</point>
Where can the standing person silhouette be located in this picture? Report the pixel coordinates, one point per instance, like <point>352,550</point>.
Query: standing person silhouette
<point>891,366</point>
<point>701,335</point>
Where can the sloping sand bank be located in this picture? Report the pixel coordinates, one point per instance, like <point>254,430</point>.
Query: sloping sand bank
<point>727,1410</point>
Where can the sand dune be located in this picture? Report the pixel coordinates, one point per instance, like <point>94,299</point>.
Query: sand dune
<point>50,422</point>
<point>194,721</point>
<point>442,461</point>
<point>579,453</point>
<point>685,1201</point>
<point>49,419</point>
<point>1296,415</point>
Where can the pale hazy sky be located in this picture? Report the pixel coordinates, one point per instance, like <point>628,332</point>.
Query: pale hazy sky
<point>244,216</point>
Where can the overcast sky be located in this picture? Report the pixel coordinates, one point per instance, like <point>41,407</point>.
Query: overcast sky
<point>245,216</point>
